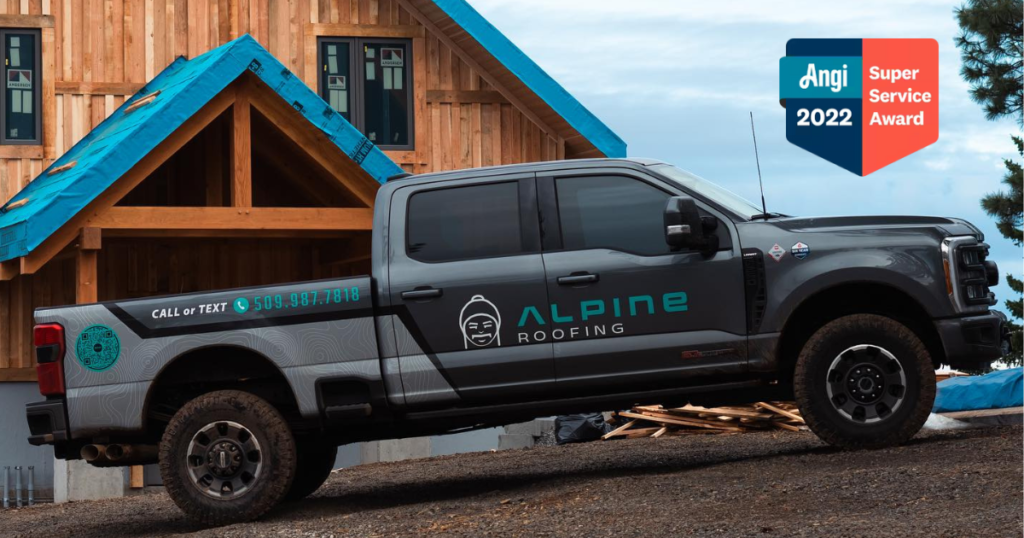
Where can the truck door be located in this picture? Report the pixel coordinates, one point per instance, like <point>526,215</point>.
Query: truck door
<point>626,312</point>
<point>464,262</point>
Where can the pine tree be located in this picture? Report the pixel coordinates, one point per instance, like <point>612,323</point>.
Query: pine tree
<point>990,43</point>
<point>991,46</point>
<point>1007,207</point>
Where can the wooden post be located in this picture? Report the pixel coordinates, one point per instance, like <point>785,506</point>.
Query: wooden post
<point>86,290</point>
<point>241,151</point>
<point>89,244</point>
<point>136,477</point>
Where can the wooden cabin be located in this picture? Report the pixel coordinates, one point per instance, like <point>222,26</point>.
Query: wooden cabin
<point>244,188</point>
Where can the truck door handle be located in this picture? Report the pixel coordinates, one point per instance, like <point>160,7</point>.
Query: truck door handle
<point>421,293</point>
<point>576,279</point>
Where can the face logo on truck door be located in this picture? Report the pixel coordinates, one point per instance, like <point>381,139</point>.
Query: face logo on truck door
<point>480,323</point>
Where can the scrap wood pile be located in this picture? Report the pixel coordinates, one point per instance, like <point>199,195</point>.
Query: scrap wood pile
<point>656,421</point>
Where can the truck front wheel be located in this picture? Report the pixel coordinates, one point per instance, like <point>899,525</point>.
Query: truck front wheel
<point>226,457</point>
<point>864,381</point>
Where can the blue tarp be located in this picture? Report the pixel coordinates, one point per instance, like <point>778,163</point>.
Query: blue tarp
<point>1004,388</point>
<point>122,140</point>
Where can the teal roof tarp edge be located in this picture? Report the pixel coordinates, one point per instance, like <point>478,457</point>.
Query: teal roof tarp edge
<point>123,139</point>
<point>531,74</point>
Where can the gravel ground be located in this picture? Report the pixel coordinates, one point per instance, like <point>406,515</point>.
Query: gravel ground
<point>946,483</point>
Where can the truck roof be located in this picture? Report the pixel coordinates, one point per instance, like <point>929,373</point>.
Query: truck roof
<point>546,166</point>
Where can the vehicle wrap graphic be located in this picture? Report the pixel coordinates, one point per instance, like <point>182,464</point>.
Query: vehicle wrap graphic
<point>590,319</point>
<point>246,308</point>
<point>480,322</point>
<point>97,348</point>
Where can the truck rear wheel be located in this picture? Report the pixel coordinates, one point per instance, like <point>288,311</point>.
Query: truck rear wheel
<point>315,463</point>
<point>864,381</point>
<point>227,457</point>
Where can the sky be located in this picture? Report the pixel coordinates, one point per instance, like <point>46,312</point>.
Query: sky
<point>677,81</point>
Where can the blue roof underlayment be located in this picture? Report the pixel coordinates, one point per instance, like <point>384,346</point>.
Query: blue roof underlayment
<point>561,101</point>
<point>122,140</point>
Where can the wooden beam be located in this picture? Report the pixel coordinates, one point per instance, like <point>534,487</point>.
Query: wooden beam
<point>466,96</point>
<point>479,69</point>
<point>21,151</point>
<point>241,151</point>
<point>227,234</point>
<point>61,238</point>
<point>780,411</point>
<point>75,87</point>
<point>90,239</point>
<point>365,30</point>
<point>9,269</point>
<point>26,21</point>
<point>18,374</point>
<point>296,219</point>
<point>48,96</point>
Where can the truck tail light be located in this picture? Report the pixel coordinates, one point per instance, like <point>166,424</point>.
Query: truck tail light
<point>49,343</point>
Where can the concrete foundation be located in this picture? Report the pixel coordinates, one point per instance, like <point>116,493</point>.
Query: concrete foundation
<point>76,480</point>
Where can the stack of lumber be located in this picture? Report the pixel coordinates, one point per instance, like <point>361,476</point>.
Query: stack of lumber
<point>656,421</point>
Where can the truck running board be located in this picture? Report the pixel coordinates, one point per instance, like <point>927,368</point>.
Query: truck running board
<point>607,402</point>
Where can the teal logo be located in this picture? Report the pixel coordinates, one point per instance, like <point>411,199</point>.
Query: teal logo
<point>634,306</point>
<point>241,305</point>
<point>98,348</point>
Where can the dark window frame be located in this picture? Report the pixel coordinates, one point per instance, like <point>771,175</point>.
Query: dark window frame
<point>37,88</point>
<point>356,80</point>
<point>529,232</point>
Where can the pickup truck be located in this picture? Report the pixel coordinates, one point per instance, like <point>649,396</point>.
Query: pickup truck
<point>502,294</point>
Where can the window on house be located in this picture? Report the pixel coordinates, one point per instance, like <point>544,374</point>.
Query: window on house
<point>369,82</point>
<point>21,99</point>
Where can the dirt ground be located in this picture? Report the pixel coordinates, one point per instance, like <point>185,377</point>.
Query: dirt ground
<point>947,483</point>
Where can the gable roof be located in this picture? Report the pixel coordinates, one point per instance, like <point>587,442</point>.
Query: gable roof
<point>583,131</point>
<point>125,137</point>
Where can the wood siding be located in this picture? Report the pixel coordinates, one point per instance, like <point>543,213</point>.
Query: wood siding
<point>105,50</point>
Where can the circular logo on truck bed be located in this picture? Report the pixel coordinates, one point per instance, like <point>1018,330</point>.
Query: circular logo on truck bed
<point>98,347</point>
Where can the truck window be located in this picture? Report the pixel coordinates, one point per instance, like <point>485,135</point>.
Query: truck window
<point>613,212</point>
<point>480,221</point>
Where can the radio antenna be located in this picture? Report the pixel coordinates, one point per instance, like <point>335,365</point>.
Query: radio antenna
<point>757,159</point>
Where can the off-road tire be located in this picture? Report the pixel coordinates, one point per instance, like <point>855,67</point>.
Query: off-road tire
<point>811,380</point>
<point>315,463</point>
<point>266,425</point>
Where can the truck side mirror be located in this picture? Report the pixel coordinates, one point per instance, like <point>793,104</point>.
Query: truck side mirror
<point>685,228</point>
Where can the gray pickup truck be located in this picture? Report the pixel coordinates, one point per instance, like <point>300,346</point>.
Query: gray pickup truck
<point>507,293</point>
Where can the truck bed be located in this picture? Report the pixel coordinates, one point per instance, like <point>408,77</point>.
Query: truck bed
<point>114,351</point>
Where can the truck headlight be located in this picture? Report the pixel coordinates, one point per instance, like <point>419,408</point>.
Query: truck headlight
<point>968,273</point>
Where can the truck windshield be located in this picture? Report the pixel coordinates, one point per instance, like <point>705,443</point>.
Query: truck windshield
<point>720,195</point>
